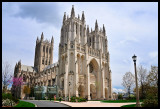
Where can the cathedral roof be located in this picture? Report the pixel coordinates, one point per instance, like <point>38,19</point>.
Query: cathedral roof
<point>51,66</point>
<point>30,68</point>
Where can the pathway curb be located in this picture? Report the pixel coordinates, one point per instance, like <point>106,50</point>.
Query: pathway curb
<point>63,103</point>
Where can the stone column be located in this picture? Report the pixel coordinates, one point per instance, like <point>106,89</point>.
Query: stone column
<point>66,80</point>
<point>88,83</point>
<point>103,84</point>
<point>76,77</point>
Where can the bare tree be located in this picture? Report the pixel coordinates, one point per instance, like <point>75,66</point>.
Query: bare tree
<point>6,75</point>
<point>128,82</point>
<point>142,78</point>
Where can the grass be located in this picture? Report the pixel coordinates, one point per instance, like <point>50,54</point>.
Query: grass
<point>119,101</point>
<point>24,104</point>
<point>130,105</point>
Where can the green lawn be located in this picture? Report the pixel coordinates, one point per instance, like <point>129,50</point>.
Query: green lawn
<point>24,104</point>
<point>118,101</point>
<point>130,105</point>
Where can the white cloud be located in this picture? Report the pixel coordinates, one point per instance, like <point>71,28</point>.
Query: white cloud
<point>118,90</point>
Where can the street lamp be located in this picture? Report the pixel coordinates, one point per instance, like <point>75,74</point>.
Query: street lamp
<point>137,92</point>
<point>69,90</point>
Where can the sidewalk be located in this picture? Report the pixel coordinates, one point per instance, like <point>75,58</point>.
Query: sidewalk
<point>94,104</point>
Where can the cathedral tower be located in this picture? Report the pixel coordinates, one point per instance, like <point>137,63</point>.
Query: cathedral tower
<point>43,53</point>
<point>83,59</point>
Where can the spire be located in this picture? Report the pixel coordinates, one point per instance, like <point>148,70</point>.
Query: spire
<point>78,16</point>
<point>91,29</point>
<point>52,40</point>
<point>72,12</point>
<point>104,30</point>
<point>19,62</point>
<point>83,17</point>
<point>96,25</point>
<point>42,36</point>
<point>87,29</point>
<point>37,40</point>
<point>64,17</point>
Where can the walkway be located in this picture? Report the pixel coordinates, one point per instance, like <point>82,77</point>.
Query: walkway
<point>94,104</point>
<point>46,103</point>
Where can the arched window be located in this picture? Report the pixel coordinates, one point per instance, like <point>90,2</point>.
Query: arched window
<point>43,48</point>
<point>24,78</point>
<point>90,68</point>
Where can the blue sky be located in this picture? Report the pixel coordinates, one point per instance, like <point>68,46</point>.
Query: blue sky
<point>131,28</point>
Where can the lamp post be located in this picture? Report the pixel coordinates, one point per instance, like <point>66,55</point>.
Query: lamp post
<point>137,91</point>
<point>69,90</point>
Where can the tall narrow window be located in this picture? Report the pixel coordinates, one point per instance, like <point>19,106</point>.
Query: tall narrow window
<point>46,62</point>
<point>47,50</point>
<point>81,30</point>
<point>43,61</point>
<point>76,28</point>
<point>50,50</point>
<point>43,48</point>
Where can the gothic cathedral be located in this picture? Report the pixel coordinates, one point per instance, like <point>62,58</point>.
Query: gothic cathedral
<point>83,67</point>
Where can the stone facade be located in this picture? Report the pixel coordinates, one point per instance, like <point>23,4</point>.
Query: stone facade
<point>83,68</point>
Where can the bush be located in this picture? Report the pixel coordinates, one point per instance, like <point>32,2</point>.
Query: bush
<point>9,96</point>
<point>73,99</point>
<point>120,97</point>
<point>150,103</point>
<point>6,96</point>
<point>79,99</point>
<point>8,102</point>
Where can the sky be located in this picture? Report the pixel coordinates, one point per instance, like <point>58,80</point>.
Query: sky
<point>131,28</point>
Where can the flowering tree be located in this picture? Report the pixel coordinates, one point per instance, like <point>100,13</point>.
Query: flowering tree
<point>16,82</point>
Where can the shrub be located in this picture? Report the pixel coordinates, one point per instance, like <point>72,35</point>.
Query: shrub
<point>79,99</point>
<point>73,99</point>
<point>6,96</point>
<point>150,103</point>
<point>120,97</point>
<point>8,102</point>
<point>9,96</point>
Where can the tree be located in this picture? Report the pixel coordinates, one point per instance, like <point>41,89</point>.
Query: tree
<point>128,82</point>
<point>26,90</point>
<point>152,88</point>
<point>152,78</point>
<point>6,75</point>
<point>16,85</point>
<point>142,75</point>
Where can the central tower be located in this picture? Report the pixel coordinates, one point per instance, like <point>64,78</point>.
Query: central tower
<point>43,53</point>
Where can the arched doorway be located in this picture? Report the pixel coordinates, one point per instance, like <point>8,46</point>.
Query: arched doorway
<point>93,91</point>
<point>94,81</point>
<point>81,92</point>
